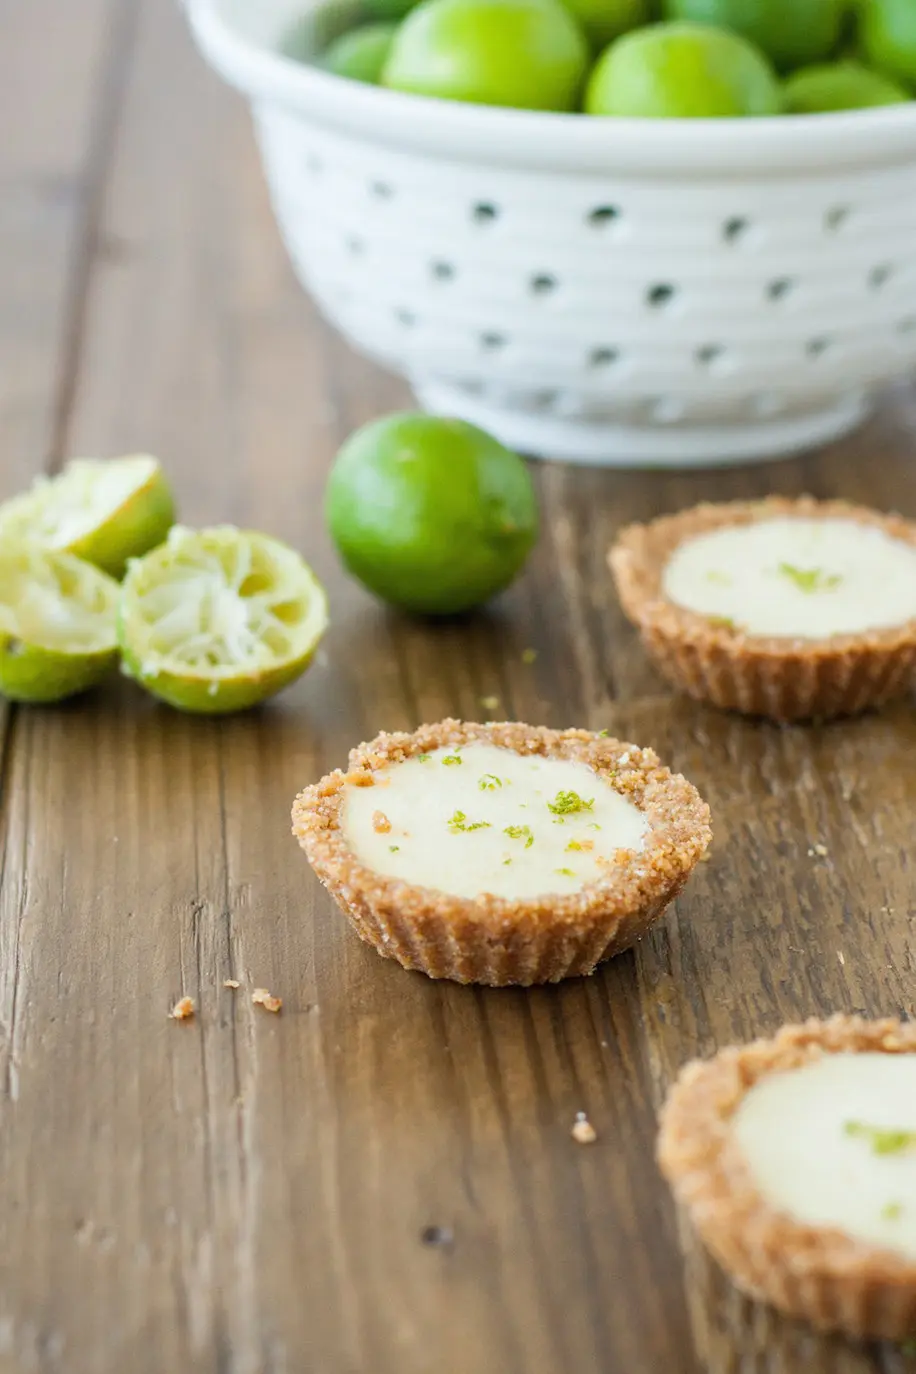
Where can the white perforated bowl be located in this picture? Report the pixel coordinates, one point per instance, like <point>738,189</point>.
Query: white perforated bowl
<point>611,291</point>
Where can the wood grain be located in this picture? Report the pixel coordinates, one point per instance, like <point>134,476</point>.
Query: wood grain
<point>381,1179</point>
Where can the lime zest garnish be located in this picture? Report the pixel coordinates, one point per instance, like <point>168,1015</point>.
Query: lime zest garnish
<point>810,579</point>
<point>452,758</point>
<point>394,848</point>
<point>604,734</point>
<point>569,803</point>
<point>721,622</point>
<point>593,825</point>
<point>520,832</point>
<point>891,1211</point>
<point>506,861</point>
<point>489,782</point>
<point>423,758</point>
<point>566,872</point>
<point>883,1140</point>
<point>460,822</point>
<point>719,579</point>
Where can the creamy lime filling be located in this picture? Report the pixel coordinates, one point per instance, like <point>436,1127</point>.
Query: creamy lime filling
<point>794,578</point>
<point>481,819</point>
<point>833,1144</point>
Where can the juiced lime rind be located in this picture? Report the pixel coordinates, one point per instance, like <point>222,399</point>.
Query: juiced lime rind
<point>217,620</point>
<point>57,624</point>
<point>104,512</point>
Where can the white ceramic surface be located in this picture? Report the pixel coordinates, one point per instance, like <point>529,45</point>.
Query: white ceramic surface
<point>629,292</point>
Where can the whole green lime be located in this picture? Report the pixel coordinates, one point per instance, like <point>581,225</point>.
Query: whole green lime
<point>531,54</point>
<point>361,54</point>
<point>682,71</point>
<point>432,515</point>
<point>605,20</point>
<point>790,32</point>
<point>888,35</point>
<point>833,86</point>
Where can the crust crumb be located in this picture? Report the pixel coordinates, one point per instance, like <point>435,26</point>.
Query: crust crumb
<point>819,851</point>
<point>380,823</point>
<point>583,1132</point>
<point>262,998</point>
<point>231,983</point>
<point>183,1009</point>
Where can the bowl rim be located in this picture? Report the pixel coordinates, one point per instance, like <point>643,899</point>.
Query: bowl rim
<point>548,140</point>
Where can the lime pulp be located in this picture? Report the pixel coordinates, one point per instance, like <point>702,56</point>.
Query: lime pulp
<point>220,619</point>
<point>57,624</point>
<point>102,511</point>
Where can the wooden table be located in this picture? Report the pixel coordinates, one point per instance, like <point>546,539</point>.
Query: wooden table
<point>381,1180</point>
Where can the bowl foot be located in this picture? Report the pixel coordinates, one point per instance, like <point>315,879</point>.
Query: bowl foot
<point>605,444</point>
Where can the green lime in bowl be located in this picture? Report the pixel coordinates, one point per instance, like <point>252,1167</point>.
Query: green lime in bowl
<point>361,54</point>
<point>831,86</point>
<point>529,54</point>
<point>683,71</point>
<point>791,33</point>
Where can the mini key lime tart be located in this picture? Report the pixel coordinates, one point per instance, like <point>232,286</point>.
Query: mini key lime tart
<point>792,609</point>
<point>796,1160</point>
<point>502,853</point>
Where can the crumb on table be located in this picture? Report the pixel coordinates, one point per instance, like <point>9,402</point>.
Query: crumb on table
<point>583,1132</point>
<point>819,851</point>
<point>183,1009</point>
<point>262,998</point>
<point>231,983</point>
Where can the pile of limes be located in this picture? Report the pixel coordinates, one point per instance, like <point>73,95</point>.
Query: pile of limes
<point>208,620</point>
<point>687,59</point>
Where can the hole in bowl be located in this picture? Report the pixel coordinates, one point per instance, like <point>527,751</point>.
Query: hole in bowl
<point>603,216</point>
<point>355,245</point>
<point>817,347</point>
<point>711,356</point>
<point>484,212</point>
<point>442,271</point>
<point>603,356</point>
<point>405,317</point>
<point>543,284</point>
<point>879,276</point>
<point>491,341</point>
<point>907,326</point>
<point>382,190</point>
<point>314,164</point>
<point>735,229</point>
<point>837,218</point>
<point>781,288</point>
<point>659,296</point>
<point>544,400</point>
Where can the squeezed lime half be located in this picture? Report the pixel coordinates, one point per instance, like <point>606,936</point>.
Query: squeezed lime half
<point>103,511</point>
<point>220,619</point>
<point>57,624</point>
